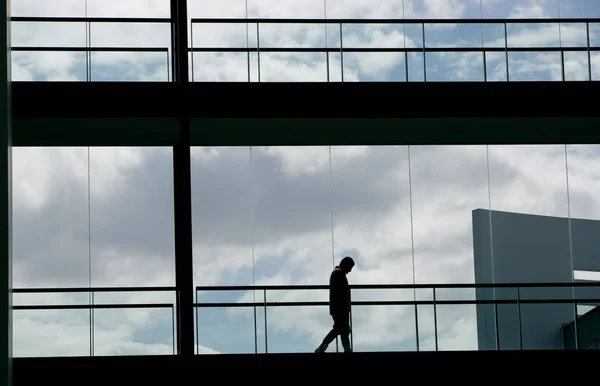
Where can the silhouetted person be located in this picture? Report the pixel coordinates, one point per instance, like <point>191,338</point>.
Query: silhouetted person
<point>339,306</point>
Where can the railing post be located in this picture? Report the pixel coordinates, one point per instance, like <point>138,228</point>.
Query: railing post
<point>258,49</point>
<point>351,331</point>
<point>417,325</point>
<point>589,51</point>
<point>266,335</point>
<point>506,50</point>
<point>255,329</point>
<point>92,324</point>
<point>435,324</point>
<point>196,311</point>
<point>342,52</point>
<point>519,317</point>
<point>424,55</point>
<point>576,327</point>
<point>497,325</point>
<point>173,335</point>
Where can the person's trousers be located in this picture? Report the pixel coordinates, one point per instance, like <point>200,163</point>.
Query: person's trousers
<point>341,327</point>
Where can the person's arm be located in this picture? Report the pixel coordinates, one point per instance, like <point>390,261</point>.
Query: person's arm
<point>339,301</point>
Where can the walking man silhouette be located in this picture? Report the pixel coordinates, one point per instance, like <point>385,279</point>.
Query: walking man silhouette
<point>339,306</point>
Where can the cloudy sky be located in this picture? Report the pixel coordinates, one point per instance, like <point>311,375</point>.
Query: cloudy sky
<point>104,216</point>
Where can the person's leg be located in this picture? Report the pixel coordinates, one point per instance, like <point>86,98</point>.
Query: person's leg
<point>338,327</point>
<point>345,334</point>
<point>345,338</point>
<point>330,337</point>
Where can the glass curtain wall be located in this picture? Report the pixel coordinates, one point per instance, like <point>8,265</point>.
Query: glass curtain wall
<point>407,215</point>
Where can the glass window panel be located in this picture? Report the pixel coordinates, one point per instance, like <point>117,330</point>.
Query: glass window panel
<point>291,203</point>
<point>128,66</point>
<point>50,217</point>
<point>219,9</point>
<point>453,35</point>
<point>579,9</point>
<point>371,204</point>
<point>457,67</point>
<point>293,67</point>
<point>48,8</point>
<point>133,35</point>
<point>576,66</point>
<point>49,66</point>
<point>442,215</point>
<point>148,330</point>
<point>585,213</point>
<point>51,333</point>
<point>535,66</point>
<point>223,248</point>
<point>223,67</point>
<point>515,9</point>
<point>496,66</point>
<point>374,67</point>
<point>286,9</point>
<point>292,35</point>
<point>131,8</point>
<point>371,35</point>
<point>132,226</point>
<point>531,242</point>
<point>48,34</point>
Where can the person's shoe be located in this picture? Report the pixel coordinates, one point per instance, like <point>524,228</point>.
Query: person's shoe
<point>321,349</point>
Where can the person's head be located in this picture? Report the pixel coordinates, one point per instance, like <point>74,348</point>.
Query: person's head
<point>347,264</point>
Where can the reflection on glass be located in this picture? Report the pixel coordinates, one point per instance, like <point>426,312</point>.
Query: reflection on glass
<point>136,323</point>
<point>221,216</point>
<point>292,234</point>
<point>371,210</point>
<point>50,217</point>
<point>51,333</point>
<point>226,330</point>
<point>298,329</point>
<point>291,215</point>
<point>583,161</point>
<point>48,66</point>
<point>223,244</point>
<point>383,328</point>
<point>133,8</point>
<point>142,331</point>
<point>131,208</point>
<point>448,184</point>
<point>531,242</point>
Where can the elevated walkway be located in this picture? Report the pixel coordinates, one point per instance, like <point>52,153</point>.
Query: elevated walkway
<point>304,114</point>
<point>402,368</point>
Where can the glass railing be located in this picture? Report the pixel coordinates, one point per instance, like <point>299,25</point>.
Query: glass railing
<point>91,49</point>
<point>281,319</point>
<point>51,322</point>
<point>294,319</point>
<point>325,50</point>
<point>309,50</point>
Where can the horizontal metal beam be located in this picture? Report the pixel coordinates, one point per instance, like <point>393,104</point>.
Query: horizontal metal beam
<point>92,306</point>
<point>67,19</point>
<point>51,19</point>
<point>306,131</point>
<point>89,49</point>
<point>303,100</point>
<point>392,49</point>
<point>302,114</point>
<point>585,284</point>
<point>392,21</point>
<point>398,303</point>
<point>91,289</point>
